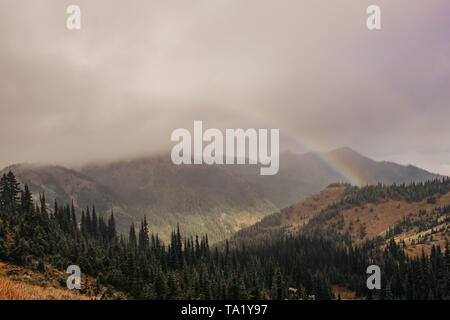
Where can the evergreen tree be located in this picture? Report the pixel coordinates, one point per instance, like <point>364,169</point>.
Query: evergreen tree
<point>144,235</point>
<point>132,236</point>
<point>111,227</point>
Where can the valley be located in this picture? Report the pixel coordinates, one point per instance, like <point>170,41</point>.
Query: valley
<point>317,249</point>
<point>214,199</point>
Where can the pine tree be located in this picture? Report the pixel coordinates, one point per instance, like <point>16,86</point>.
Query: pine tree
<point>143,235</point>
<point>43,204</point>
<point>111,227</point>
<point>9,192</point>
<point>83,224</point>
<point>26,200</point>
<point>88,221</point>
<point>132,237</point>
<point>94,223</point>
<point>277,286</point>
<point>73,217</point>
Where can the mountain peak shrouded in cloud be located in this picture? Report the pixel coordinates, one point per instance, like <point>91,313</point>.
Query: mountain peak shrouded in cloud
<point>137,70</point>
<point>346,150</point>
<point>215,199</point>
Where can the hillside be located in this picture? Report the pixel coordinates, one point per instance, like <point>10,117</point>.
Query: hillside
<point>417,216</point>
<point>318,259</point>
<point>64,185</point>
<point>219,200</point>
<point>295,216</point>
<point>204,199</point>
<point>301,175</point>
<point>24,283</point>
<point>15,290</point>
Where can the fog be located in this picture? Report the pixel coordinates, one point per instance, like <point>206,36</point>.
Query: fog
<point>137,70</point>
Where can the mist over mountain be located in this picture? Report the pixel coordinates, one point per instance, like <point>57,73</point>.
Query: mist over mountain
<point>202,198</point>
<point>65,185</point>
<point>303,174</point>
<point>218,200</point>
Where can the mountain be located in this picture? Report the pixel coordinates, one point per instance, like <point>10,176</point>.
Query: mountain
<point>300,175</point>
<point>218,200</point>
<point>202,198</point>
<point>64,185</point>
<point>416,215</point>
<point>320,258</point>
<point>369,171</point>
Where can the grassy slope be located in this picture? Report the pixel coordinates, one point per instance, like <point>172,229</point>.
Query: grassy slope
<point>293,217</point>
<point>377,218</point>
<point>22,284</point>
<point>17,290</point>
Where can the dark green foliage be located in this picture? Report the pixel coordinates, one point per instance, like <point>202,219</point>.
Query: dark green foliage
<point>9,192</point>
<point>282,267</point>
<point>413,192</point>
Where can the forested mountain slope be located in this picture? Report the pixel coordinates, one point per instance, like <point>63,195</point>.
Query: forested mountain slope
<point>415,215</point>
<point>218,199</point>
<point>309,265</point>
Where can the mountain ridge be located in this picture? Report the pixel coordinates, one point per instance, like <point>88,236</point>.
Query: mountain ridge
<point>416,215</point>
<point>218,200</point>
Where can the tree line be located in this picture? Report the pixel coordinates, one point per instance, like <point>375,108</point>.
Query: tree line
<point>143,267</point>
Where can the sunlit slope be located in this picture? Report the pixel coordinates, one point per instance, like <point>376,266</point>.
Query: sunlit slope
<point>417,216</point>
<point>218,200</point>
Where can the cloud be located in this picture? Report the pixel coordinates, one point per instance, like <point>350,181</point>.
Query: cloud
<point>139,69</point>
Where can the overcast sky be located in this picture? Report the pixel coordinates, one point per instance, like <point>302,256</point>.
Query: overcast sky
<point>137,70</point>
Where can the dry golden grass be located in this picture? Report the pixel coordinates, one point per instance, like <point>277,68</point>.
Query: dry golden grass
<point>343,292</point>
<point>24,283</point>
<point>439,239</point>
<point>15,290</point>
<point>295,217</point>
<point>377,218</point>
<point>304,210</point>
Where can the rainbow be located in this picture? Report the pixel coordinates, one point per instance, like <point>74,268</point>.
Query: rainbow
<point>336,165</point>
<point>339,167</point>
